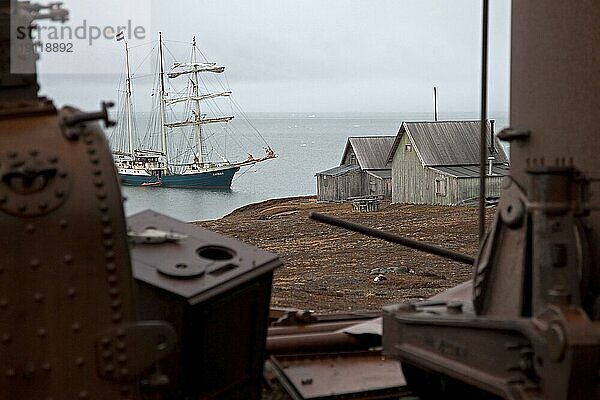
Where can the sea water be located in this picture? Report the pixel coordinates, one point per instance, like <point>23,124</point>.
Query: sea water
<point>304,143</point>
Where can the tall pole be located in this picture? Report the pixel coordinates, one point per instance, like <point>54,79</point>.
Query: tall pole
<point>163,131</point>
<point>483,136</point>
<point>435,104</point>
<point>199,144</point>
<point>129,101</point>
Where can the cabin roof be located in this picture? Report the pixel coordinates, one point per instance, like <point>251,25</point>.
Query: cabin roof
<point>381,173</point>
<point>472,171</point>
<point>446,142</point>
<point>371,151</point>
<point>339,170</point>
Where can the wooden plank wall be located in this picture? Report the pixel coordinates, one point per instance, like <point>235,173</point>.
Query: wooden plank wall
<point>413,183</point>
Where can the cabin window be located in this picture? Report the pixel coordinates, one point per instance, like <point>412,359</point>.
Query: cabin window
<point>407,147</point>
<point>440,186</point>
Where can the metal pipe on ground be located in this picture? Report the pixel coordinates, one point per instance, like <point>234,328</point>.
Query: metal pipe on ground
<point>317,343</point>
<point>390,237</point>
<point>311,328</point>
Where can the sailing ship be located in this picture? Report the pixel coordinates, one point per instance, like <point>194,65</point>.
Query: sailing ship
<point>152,167</point>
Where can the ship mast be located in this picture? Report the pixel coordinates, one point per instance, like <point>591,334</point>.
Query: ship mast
<point>129,101</point>
<point>200,152</point>
<point>163,131</point>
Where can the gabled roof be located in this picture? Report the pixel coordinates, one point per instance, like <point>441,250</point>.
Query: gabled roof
<point>371,151</point>
<point>340,170</point>
<point>446,142</point>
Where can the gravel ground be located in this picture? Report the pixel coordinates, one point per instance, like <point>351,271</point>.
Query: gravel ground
<point>328,269</point>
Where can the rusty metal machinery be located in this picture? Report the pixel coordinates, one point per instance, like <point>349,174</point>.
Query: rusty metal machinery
<point>530,329</point>
<point>216,292</point>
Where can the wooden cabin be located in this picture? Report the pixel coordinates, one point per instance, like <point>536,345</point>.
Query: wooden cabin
<point>363,171</point>
<point>438,163</point>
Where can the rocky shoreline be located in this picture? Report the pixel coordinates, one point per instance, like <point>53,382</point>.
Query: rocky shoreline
<point>328,269</point>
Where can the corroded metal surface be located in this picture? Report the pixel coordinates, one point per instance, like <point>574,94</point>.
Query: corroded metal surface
<point>65,274</point>
<point>363,375</point>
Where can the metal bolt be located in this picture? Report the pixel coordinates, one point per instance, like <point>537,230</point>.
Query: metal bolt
<point>22,207</point>
<point>117,317</point>
<point>107,354</point>
<point>30,228</point>
<point>101,195</point>
<point>114,292</point>
<point>68,258</point>
<point>109,255</point>
<point>98,183</point>
<point>42,332</point>
<point>83,394</point>
<point>122,359</point>
<point>105,342</point>
<point>71,292</point>
<point>46,366</point>
<point>112,280</point>
<point>53,160</point>
<point>107,232</point>
<point>124,371</point>
<point>94,160</point>
<point>115,304</point>
<point>43,205</point>
<point>59,193</point>
<point>63,223</point>
<point>76,327</point>
<point>111,267</point>
<point>79,361</point>
<point>3,303</point>
<point>121,333</point>
<point>35,263</point>
<point>38,297</point>
<point>34,153</point>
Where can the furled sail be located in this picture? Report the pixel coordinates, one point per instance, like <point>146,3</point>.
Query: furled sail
<point>198,98</point>
<point>190,68</point>
<point>198,122</point>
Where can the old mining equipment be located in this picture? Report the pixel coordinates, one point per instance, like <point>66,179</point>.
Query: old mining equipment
<point>530,330</point>
<point>71,326</point>
<point>216,292</point>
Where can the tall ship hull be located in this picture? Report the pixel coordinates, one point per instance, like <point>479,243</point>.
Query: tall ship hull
<point>212,179</point>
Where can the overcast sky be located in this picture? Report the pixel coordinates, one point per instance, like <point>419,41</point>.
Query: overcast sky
<point>323,55</point>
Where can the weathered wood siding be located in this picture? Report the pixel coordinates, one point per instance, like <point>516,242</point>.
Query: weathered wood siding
<point>350,158</point>
<point>339,188</point>
<point>413,183</point>
<point>374,186</point>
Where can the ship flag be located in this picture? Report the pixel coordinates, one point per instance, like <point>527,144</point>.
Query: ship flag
<point>120,36</point>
